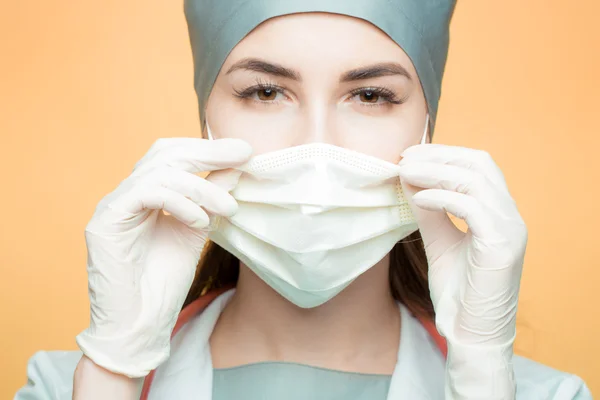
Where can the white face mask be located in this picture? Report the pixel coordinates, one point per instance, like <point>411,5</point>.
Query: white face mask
<point>312,218</point>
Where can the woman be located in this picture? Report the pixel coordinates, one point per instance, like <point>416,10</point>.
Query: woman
<point>323,211</point>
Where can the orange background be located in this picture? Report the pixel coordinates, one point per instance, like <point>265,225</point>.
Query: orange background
<point>87,88</point>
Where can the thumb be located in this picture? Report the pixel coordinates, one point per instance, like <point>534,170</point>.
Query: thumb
<point>437,229</point>
<point>226,179</point>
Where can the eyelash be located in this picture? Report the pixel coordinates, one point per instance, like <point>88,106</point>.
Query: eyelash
<point>386,94</point>
<point>247,92</point>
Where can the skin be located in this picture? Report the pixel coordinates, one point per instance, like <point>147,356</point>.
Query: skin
<point>258,324</point>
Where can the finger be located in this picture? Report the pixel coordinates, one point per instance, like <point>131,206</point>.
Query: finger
<point>197,155</point>
<point>169,142</point>
<point>201,191</point>
<point>463,206</point>
<point>148,197</point>
<point>472,159</point>
<point>439,176</point>
<point>163,143</point>
<point>436,228</point>
<point>431,175</point>
<point>449,177</point>
<point>225,179</point>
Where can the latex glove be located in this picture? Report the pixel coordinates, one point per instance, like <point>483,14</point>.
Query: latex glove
<point>474,277</point>
<point>141,262</point>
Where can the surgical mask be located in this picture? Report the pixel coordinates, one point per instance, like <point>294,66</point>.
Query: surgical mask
<point>314,217</point>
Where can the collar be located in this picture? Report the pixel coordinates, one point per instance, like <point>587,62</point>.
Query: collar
<point>418,375</point>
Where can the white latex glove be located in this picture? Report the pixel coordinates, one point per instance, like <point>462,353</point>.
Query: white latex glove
<point>474,277</point>
<point>141,262</point>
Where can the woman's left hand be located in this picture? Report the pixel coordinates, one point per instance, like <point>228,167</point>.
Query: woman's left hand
<point>474,277</point>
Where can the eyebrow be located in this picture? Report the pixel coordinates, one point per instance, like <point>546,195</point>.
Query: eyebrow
<point>368,72</point>
<point>375,71</point>
<point>258,65</point>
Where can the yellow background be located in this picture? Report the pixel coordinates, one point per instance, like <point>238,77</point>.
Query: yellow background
<point>86,88</point>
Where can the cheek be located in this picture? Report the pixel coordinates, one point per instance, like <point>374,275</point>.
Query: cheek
<point>384,138</point>
<point>263,129</point>
<point>381,138</point>
<point>268,128</point>
<point>231,118</point>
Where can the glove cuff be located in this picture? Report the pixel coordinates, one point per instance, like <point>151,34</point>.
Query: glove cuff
<point>480,372</point>
<point>122,355</point>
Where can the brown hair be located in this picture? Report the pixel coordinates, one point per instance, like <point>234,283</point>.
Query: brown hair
<point>408,273</point>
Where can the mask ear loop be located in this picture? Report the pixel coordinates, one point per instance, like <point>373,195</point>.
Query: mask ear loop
<point>424,138</point>
<point>213,222</point>
<point>209,134</point>
<point>399,185</point>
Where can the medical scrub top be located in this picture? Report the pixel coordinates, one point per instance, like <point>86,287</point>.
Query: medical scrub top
<point>291,381</point>
<point>188,373</point>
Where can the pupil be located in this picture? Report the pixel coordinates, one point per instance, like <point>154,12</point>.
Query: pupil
<point>369,96</point>
<point>265,94</point>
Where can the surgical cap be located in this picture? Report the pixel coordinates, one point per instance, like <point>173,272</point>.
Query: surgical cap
<point>419,27</point>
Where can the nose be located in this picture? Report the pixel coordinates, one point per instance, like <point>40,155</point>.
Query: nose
<point>318,124</point>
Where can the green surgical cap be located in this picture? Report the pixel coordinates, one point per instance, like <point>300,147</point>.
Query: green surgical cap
<point>419,27</point>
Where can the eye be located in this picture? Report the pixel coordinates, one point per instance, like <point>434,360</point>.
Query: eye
<point>264,93</point>
<point>376,96</point>
<point>368,96</point>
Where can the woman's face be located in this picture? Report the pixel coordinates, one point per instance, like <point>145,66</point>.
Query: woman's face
<point>319,77</point>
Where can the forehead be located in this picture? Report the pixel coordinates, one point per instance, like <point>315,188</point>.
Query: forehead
<point>319,41</point>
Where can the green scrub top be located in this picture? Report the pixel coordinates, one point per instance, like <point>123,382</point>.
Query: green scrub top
<point>291,381</point>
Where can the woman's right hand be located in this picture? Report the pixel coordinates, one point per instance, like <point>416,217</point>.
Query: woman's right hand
<point>141,262</point>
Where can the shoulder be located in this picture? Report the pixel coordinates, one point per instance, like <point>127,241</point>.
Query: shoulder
<point>49,376</point>
<point>538,381</point>
<point>50,373</point>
